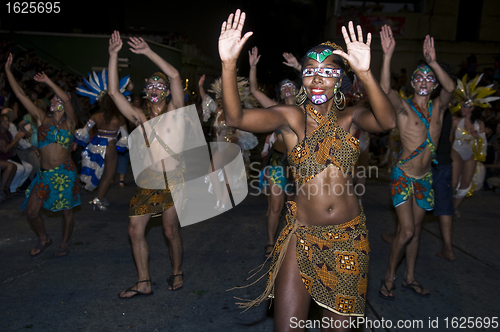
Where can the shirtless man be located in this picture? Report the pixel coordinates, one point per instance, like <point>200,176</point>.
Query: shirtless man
<point>419,121</point>
<point>147,203</point>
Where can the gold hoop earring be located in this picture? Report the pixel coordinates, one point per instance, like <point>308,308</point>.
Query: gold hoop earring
<point>301,97</point>
<point>339,99</point>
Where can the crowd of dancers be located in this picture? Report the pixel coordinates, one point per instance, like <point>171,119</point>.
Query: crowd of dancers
<point>317,142</point>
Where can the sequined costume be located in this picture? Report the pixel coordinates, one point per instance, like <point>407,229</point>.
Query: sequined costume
<point>403,185</point>
<point>55,188</point>
<point>95,152</point>
<point>332,259</point>
<point>275,165</point>
<point>464,141</point>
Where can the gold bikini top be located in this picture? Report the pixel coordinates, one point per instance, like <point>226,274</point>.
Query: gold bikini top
<point>328,144</point>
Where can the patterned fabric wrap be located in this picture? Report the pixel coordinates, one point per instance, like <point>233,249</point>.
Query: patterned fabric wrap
<point>328,144</point>
<point>276,170</point>
<point>93,161</point>
<point>403,186</point>
<point>55,188</point>
<point>333,262</point>
<point>154,201</point>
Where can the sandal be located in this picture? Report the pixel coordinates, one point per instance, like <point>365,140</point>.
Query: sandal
<point>137,293</point>
<point>414,285</point>
<point>384,285</point>
<point>41,247</point>
<point>62,251</point>
<point>170,281</point>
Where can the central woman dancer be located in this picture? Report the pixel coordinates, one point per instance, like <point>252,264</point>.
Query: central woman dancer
<point>328,258</point>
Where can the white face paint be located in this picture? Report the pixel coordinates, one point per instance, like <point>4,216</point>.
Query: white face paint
<point>156,91</point>
<point>56,105</point>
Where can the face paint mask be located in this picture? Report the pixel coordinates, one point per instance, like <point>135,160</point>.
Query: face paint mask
<point>58,107</point>
<point>319,56</point>
<point>319,99</point>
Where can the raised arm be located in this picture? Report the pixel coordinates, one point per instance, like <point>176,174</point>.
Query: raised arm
<point>291,61</point>
<point>200,87</point>
<point>388,45</point>
<point>444,79</point>
<point>253,59</point>
<point>36,112</point>
<point>61,94</point>
<point>358,55</point>
<point>134,114</point>
<point>256,119</point>
<point>139,46</point>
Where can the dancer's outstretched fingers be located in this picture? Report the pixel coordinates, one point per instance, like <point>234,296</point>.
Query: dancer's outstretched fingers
<point>360,33</point>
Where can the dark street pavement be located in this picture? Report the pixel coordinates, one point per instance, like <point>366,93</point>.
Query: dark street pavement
<point>79,292</point>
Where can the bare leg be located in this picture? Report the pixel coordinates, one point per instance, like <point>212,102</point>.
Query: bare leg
<point>469,167</point>
<point>412,247</point>
<point>291,297</point>
<point>457,168</point>
<point>140,249</point>
<point>446,224</point>
<point>33,212</point>
<point>110,161</point>
<point>404,233</point>
<point>172,227</point>
<point>276,200</point>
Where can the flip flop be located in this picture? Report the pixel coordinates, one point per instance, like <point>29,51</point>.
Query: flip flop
<point>170,281</point>
<point>137,293</point>
<point>40,247</point>
<point>387,297</point>
<point>414,284</point>
<point>62,251</point>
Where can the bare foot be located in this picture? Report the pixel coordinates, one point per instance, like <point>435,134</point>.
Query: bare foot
<point>449,255</point>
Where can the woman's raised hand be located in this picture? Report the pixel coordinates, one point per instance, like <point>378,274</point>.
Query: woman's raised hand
<point>358,52</point>
<point>138,45</point>
<point>41,77</point>
<point>291,61</point>
<point>115,43</point>
<point>230,40</point>
<point>253,56</point>
<point>202,80</point>
<point>387,40</point>
<point>8,63</point>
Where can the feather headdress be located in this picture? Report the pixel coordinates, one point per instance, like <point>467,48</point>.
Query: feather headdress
<point>97,86</point>
<point>469,94</point>
<point>247,99</point>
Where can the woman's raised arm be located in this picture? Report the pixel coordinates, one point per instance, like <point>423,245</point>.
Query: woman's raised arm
<point>358,55</point>
<point>36,112</point>
<point>230,45</point>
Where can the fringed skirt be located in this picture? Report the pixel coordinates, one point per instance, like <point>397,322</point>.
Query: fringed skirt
<point>332,260</point>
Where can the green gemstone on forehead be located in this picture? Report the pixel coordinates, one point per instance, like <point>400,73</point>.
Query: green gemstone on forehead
<point>424,69</point>
<point>321,56</point>
<point>156,78</point>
